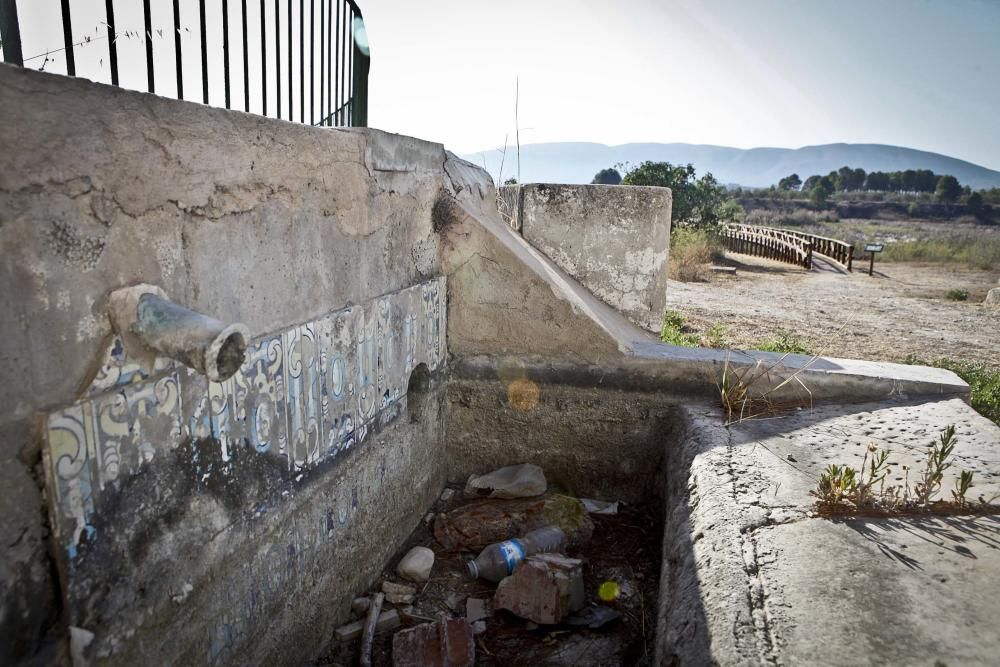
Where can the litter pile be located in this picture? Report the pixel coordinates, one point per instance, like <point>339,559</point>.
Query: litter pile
<point>507,571</point>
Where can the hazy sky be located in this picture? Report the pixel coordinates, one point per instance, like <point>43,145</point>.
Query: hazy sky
<point>739,73</point>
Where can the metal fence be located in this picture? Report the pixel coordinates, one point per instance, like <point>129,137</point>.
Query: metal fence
<point>327,73</point>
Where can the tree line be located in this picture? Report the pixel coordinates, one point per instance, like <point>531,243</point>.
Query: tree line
<point>819,188</point>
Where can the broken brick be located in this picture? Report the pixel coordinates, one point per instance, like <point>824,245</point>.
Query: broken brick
<point>544,589</point>
<point>446,643</point>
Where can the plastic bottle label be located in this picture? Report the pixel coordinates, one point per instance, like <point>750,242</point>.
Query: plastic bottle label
<point>513,553</point>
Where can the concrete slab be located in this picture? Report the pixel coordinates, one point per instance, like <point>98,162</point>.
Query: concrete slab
<point>755,577</point>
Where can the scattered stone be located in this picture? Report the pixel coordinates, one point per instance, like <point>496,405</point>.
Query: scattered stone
<point>387,620</point>
<point>520,481</point>
<point>360,606</point>
<point>445,643</point>
<point>429,519</point>
<point>447,495</point>
<point>594,618</point>
<point>731,270</point>
<point>476,609</point>
<point>993,297</point>
<point>599,506</point>
<point>398,593</point>
<point>481,524</point>
<point>545,589</point>
<point>416,565</point>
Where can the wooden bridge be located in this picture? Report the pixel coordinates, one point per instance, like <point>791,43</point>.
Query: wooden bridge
<point>785,245</point>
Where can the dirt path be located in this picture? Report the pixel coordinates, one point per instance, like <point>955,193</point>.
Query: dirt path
<point>901,311</point>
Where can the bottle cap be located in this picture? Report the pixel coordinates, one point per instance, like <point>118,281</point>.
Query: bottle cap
<point>473,569</point>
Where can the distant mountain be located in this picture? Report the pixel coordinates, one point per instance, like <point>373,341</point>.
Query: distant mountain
<point>577,162</point>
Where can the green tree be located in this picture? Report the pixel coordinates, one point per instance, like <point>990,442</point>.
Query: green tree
<point>974,203</point>
<point>824,187</point>
<point>697,202</point>
<point>609,176</point>
<point>948,189</point>
<point>510,181</point>
<point>792,182</point>
<point>810,183</point>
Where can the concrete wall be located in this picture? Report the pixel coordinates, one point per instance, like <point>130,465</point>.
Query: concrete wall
<point>614,239</point>
<point>273,224</point>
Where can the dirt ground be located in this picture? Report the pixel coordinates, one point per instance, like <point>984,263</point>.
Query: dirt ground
<point>900,311</point>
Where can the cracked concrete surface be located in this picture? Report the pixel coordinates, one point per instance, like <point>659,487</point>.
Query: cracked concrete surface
<point>767,582</point>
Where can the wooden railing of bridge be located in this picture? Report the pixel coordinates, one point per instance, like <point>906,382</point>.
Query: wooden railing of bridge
<point>786,245</point>
<point>768,243</point>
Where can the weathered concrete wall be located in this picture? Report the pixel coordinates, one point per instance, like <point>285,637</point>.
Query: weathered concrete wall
<point>247,219</point>
<point>614,239</point>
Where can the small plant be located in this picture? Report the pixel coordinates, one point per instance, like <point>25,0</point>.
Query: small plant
<point>784,342</point>
<point>760,389</point>
<point>715,336</point>
<point>674,330</point>
<point>843,486</point>
<point>836,484</point>
<point>957,294</point>
<point>937,463</point>
<point>962,486</point>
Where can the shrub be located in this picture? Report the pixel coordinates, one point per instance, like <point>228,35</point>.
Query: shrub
<point>957,294</point>
<point>691,250</point>
<point>913,210</point>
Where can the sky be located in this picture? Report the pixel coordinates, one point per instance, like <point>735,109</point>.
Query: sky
<point>743,73</point>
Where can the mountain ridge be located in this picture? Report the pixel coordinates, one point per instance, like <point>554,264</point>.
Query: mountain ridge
<point>578,161</point>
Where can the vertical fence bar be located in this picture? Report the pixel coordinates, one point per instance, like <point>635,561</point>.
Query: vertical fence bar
<point>350,71</point>
<point>277,51</point>
<point>246,61</point>
<point>291,115</point>
<point>109,11</point>
<point>10,33</point>
<point>204,53</point>
<point>178,60</point>
<point>302,61</point>
<point>329,65</point>
<point>68,39</point>
<point>225,48</point>
<point>148,23</point>
<point>336,99</point>
<point>263,60</point>
<point>322,58</point>
<point>312,62</point>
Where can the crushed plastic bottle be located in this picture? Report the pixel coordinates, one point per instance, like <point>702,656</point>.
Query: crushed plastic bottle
<point>499,560</point>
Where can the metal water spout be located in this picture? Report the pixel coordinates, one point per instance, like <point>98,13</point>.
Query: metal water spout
<point>152,325</point>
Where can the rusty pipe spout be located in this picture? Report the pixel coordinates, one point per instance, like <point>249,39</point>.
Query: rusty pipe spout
<point>152,325</point>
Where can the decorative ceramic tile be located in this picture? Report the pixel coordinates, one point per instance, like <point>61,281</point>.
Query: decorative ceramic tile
<point>305,394</point>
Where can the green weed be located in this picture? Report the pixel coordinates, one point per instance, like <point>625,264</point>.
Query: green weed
<point>784,342</point>
<point>984,383</point>
<point>674,330</point>
<point>957,294</point>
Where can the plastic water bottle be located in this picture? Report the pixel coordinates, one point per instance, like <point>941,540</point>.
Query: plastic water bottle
<point>499,560</point>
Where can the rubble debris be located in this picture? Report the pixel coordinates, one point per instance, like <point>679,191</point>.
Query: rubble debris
<point>445,643</point>
<point>499,560</point>
<point>416,565</point>
<point>360,606</point>
<point>479,524</point>
<point>518,481</point>
<point>476,609</point>
<point>447,495</point>
<point>599,506</point>
<point>429,518</point>
<point>387,620</point>
<point>368,633</point>
<point>398,593</point>
<point>545,589</point>
<point>595,617</point>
